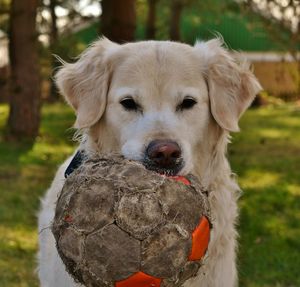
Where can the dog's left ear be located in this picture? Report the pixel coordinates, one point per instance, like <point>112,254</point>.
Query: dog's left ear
<point>84,84</point>
<point>232,86</point>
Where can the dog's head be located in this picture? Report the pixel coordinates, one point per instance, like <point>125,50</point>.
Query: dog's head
<point>162,103</point>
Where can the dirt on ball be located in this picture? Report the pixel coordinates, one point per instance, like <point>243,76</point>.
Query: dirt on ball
<point>115,218</point>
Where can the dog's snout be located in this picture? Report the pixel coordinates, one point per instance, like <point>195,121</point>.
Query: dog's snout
<point>164,153</point>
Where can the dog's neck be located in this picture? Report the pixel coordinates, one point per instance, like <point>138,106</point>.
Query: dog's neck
<point>211,164</point>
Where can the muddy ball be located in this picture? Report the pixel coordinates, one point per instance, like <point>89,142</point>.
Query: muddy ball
<point>118,224</point>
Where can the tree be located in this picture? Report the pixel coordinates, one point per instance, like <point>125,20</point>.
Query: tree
<point>53,37</point>
<point>118,20</point>
<point>151,17</point>
<point>176,10</point>
<point>24,116</point>
<point>280,15</point>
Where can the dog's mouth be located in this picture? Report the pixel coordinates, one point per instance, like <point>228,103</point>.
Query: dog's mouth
<point>167,170</point>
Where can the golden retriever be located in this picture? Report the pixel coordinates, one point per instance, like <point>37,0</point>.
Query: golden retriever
<point>170,106</point>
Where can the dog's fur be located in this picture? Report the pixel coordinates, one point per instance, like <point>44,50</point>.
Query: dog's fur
<point>158,75</point>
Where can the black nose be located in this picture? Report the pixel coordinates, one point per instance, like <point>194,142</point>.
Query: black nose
<point>164,155</point>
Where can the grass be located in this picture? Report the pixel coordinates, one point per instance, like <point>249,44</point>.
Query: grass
<point>25,172</point>
<point>265,155</point>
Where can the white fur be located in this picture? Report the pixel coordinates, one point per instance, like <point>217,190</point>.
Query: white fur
<point>158,75</point>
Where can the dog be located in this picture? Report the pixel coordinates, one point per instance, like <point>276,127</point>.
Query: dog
<point>170,106</point>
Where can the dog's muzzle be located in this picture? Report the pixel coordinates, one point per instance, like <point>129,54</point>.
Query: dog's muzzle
<point>163,156</point>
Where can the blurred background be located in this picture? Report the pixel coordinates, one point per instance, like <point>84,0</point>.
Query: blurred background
<point>35,124</point>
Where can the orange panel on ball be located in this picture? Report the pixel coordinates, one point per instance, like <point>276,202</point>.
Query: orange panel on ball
<point>139,279</point>
<point>200,239</point>
<point>180,178</point>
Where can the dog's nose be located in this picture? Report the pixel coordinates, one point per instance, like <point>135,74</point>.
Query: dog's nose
<point>164,153</point>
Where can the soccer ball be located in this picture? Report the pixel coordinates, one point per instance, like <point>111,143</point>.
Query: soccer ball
<point>119,224</point>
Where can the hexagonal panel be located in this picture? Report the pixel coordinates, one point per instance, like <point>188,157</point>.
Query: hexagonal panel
<point>181,204</point>
<point>139,213</point>
<point>166,251</point>
<point>111,254</point>
<point>70,249</point>
<point>92,206</point>
<point>137,177</point>
<point>70,243</point>
<point>139,279</point>
<point>200,239</point>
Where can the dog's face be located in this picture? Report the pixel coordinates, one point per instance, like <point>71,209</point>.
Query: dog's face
<point>158,106</point>
<point>157,102</point>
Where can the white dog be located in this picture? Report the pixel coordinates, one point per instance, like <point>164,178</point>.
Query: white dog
<point>170,106</point>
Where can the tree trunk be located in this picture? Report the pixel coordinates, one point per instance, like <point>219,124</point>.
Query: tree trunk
<point>24,116</point>
<point>150,28</point>
<point>53,92</point>
<point>4,88</point>
<point>176,10</point>
<point>118,20</point>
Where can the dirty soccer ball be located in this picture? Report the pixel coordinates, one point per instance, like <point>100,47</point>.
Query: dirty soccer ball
<point>119,224</point>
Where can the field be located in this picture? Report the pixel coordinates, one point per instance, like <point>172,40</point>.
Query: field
<point>265,155</point>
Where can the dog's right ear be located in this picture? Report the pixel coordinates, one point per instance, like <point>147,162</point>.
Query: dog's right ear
<point>84,84</point>
<point>232,86</point>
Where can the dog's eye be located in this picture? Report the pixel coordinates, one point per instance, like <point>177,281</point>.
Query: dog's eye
<point>129,104</point>
<point>186,104</point>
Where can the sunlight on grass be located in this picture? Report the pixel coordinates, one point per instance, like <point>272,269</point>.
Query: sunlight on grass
<point>256,178</point>
<point>3,110</point>
<point>292,122</point>
<point>3,115</point>
<point>294,189</point>
<point>18,238</point>
<point>273,133</point>
<point>43,153</point>
<point>17,256</point>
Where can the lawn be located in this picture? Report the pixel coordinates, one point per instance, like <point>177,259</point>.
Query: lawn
<point>265,155</point>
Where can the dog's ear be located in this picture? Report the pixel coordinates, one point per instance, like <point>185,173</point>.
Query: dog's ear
<point>232,86</point>
<point>84,84</point>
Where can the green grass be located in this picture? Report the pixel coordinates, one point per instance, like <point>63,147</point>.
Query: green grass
<point>25,172</point>
<point>265,155</point>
